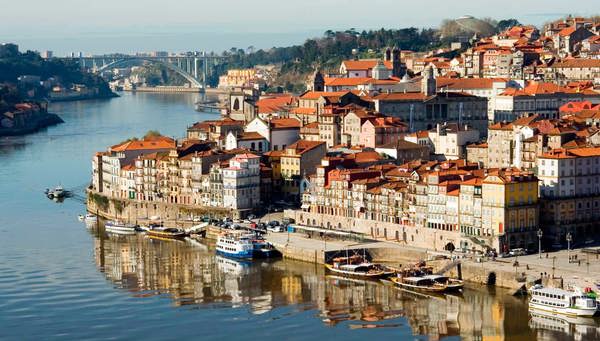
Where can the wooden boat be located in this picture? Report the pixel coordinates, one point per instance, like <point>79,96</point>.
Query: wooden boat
<point>429,283</point>
<point>356,266</point>
<point>166,233</point>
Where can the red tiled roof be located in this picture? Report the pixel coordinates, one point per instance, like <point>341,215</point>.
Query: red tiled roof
<point>274,103</point>
<point>303,146</point>
<point>304,111</point>
<point>285,123</point>
<point>246,136</point>
<point>364,64</point>
<point>567,31</point>
<point>314,95</point>
<point>150,143</point>
<point>577,63</point>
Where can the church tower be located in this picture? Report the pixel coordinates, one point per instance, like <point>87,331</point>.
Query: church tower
<point>318,82</point>
<point>428,83</point>
<point>398,68</point>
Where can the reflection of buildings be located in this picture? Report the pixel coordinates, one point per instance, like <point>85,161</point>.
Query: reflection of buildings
<point>191,275</point>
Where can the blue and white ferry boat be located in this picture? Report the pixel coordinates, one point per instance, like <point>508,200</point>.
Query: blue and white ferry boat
<point>235,245</point>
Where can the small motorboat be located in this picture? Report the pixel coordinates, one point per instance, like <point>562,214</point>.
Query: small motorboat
<point>119,227</point>
<point>264,249</point>
<point>166,233</point>
<point>57,193</point>
<point>90,218</point>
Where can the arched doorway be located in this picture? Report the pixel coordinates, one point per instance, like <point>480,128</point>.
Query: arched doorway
<point>449,247</point>
<point>236,104</point>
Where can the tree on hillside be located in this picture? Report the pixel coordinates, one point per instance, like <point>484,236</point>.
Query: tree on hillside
<point>505,24</point>
<point>151,134</point>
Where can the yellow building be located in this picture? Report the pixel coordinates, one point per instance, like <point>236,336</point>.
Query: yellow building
<point>298,161</point>
<point>510,208</point>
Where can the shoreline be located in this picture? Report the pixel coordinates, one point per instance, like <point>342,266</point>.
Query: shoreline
<point>83,98</point>
<point>46,120</point>
<point>296,246</point>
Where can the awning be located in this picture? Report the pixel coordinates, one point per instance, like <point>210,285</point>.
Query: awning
<point>305,206</point>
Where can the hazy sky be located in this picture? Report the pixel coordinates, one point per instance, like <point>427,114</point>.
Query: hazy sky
<point>100,26</point>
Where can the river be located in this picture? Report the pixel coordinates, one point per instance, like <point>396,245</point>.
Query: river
<point>59,280</point>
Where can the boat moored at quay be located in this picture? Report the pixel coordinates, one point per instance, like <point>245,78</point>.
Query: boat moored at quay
<point>119,227</point>
<point>244,245</point>
<point>356,266</point>
<point>430,283</point>
<point>563,302</point>
<point>235,245</point>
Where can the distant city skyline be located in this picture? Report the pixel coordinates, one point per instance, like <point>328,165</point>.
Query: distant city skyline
<point>65,26</point>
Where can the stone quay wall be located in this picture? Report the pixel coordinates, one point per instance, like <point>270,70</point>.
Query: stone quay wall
<point>431,239</point>
<point>139,212</point>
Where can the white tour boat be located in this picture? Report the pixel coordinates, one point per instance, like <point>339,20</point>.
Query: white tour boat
<point>559,301</point>
<point>235,245</point>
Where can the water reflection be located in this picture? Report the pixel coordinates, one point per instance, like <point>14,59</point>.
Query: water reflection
<point>190,274</point>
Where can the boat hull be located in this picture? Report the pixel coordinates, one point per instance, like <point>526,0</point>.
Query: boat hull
<point>430,288</point>
<point>374,275</point>
<point>570,312</point>
<point>119,229</point>
<point>237,255</point>
<point>165,235</point>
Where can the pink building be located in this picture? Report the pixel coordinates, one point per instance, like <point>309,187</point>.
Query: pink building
<point>382,130</point>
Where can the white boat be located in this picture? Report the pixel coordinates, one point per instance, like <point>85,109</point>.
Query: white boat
<point>235,245</point>
<point>57,192</point>
<point>119,227</point>
<point>90,218</point>
<point>559,301</point>
<point>81,217</point>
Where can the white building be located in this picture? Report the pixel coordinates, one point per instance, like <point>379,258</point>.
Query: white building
<point>279,132</point>
<point>241,183</point>
<point>565,173</point>
<point>448,141</point>
<point>248,140</point>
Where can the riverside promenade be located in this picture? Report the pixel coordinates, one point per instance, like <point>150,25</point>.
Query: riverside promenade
<point>514,273</point>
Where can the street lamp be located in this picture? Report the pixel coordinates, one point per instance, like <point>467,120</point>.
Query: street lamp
<point>569,239</point>
<point>539,234</point>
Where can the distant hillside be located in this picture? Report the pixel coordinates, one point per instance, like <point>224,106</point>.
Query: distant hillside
<point>328,51</point>
<point>14,64</point>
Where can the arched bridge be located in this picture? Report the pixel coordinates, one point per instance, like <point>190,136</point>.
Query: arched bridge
<point>194,68</point>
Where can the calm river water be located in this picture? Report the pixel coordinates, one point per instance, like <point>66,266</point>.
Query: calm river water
<point>59,280</point>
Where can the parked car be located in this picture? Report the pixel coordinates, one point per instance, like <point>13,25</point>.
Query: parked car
<point>518,252</point>
<point>287,221</point>
<point>273,223</point>
<point>275,228</point>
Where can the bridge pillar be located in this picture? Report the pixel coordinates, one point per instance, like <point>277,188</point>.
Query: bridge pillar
<point>196,67</point>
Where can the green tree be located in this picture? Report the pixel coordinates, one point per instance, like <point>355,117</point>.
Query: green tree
<point>152,133</point>
<point>507,23</point>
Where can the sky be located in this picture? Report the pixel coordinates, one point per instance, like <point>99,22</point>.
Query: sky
<point>105,26</point>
